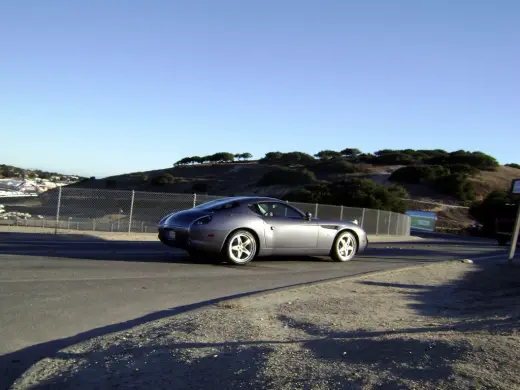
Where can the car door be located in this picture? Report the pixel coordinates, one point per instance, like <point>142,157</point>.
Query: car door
<point>286,228</point>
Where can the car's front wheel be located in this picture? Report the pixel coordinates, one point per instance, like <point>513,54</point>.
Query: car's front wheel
<point>240,247</point>
<point>344,247</point>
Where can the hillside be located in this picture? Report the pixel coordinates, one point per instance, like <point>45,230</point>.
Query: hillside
<point>12,172</point>
<point>435,176</point>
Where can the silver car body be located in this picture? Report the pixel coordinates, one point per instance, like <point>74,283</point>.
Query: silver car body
<point>281,230</point>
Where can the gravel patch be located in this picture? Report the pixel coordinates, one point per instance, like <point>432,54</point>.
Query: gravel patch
<point>442,326</point>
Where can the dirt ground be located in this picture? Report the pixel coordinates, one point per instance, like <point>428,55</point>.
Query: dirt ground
<point>442,326</point>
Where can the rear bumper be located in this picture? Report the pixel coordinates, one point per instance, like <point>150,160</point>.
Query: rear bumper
<point>184,241</point>
<point>180,241</point>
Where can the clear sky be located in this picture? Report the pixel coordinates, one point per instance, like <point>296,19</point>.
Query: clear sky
<point>105,87</point>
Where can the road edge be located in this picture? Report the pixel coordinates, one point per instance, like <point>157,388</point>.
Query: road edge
<point>338,279</point>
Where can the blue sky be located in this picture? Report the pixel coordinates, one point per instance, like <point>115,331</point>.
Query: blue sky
<point>105,87</point>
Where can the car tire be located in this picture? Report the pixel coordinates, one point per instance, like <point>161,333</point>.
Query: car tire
<point>240,247</point>
<point>344,247</point>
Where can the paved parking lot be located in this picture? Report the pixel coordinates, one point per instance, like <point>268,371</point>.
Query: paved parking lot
<point>56,291</point>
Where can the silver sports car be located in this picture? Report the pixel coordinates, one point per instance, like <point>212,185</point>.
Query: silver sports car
<point>238,229</point>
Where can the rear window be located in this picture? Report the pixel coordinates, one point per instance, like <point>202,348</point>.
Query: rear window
<point>224,206</point>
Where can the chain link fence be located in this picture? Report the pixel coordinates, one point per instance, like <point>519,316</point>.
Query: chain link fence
<point>79,209</point>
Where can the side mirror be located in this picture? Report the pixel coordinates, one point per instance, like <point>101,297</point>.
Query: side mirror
<point>308,216</point>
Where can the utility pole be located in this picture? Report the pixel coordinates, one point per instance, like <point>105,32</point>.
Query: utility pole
<point>515,191</point>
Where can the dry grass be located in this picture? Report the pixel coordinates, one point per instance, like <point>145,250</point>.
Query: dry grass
<point>487,181</point>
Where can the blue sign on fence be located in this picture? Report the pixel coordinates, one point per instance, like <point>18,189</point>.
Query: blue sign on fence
<point>422,220</point>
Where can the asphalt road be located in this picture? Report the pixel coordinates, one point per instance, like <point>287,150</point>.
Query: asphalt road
<point>58,291</point>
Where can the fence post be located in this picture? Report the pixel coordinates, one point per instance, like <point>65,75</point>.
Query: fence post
<point>316,211</point>
<point>362,218</point>
<point>58,211</point>
<point>389,222</point>
<point>194,199</point>
<point>377,222</point>
<point>397,226</point>
<point>341,213</point>
<point>94,224</point>
<point>131,212</point>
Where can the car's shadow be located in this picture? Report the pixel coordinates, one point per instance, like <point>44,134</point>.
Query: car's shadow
<point>94,248</point>
<point>76,246</point>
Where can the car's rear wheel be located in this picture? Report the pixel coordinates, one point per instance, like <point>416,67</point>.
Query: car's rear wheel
<point>344,247</point>
<point>240,247</point>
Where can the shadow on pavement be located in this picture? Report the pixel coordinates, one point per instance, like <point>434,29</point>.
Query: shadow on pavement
<point>77,246</point>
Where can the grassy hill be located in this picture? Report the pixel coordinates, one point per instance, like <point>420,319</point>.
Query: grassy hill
<point>395,180</point>
<point>9,171</point>
<point>349,177</point>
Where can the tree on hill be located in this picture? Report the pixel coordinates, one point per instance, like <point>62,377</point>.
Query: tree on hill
<point>184,161</point>
<point>214,158</point>
<point>221,157</point>
<point>513,165</point>
<point>351,153</point>
<point>391,157</point>
<point>290,158</point>
<point>243,156</point>
<point>327,154</point>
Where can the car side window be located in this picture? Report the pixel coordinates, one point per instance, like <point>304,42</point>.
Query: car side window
<point>277,210</point>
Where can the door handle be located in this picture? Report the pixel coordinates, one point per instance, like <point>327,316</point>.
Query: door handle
<point>272,227</point>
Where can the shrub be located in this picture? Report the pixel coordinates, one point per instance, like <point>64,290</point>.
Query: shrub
<point>110,183</point>
<point>489,208</point>
<point>393,158</point>
<point>513,165</point>
<point>354,193</point>
<point>287,176</point>
<point>200,187</point>
<point>477,160</point>
<point>398,191</point>
<point>463,169</point>
<point>415,174</point>
<point>458,186</point>
<point>334,166</point>
<point>164,179</point>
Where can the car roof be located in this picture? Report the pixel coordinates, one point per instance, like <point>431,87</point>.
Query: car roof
<point>249,199</point>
